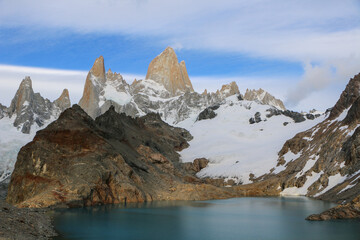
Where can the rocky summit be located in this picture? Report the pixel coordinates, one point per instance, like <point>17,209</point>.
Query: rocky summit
<point>166,70</point>
<point>28,107</point>
<point>78,161</point>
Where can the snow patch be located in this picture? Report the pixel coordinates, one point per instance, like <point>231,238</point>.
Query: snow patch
<point>332,182</point>
<point>294,191</point>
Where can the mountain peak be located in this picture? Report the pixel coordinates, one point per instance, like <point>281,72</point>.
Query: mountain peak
<point>98,69</point>
<point>264,97</point>
<point>347,97</point>
<point>63,102</point>
<point>22,97</point>
<point>90,98</point>
<point>167,71</point>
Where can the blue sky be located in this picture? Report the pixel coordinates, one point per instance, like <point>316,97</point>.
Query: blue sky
<point>303,52</point>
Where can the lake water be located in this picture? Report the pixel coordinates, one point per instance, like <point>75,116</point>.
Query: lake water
<point>240,218</point>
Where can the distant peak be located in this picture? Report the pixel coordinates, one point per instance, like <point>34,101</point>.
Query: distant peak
<point>264,97</point>
<point>63,102</point>
<point>228,89</point>
<point>26,83</point>
<point>98,69</point>
<point>167,71</point>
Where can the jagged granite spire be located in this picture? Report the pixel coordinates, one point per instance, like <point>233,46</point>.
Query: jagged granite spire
<point>347,97</point>
<point>90,99</point>
<point>166,70</point>
<point>30,107</point>
<point>63,102</point>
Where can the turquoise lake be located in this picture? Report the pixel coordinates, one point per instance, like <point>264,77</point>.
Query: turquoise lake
<point>274,218</point>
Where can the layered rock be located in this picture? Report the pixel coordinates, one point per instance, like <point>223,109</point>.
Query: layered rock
<point>79,161</point>
<point>29,107</point>
<point>264,98</point>
<point>166,70</point>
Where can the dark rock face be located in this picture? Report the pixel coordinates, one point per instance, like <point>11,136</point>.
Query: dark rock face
<point>297,117</point>
<point>310,116</point>
<point>77,161</point>
<point>256,118</point>
<point>347,97</point>
<point>208,113</point>
<point>30,107</point>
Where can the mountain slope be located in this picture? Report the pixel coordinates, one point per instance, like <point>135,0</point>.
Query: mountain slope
<point>327,164</point>
<point>237,148</point>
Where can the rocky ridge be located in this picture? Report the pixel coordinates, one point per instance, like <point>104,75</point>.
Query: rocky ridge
<point>113,159</point>
<point>166,90</point>
<point>264,97</point>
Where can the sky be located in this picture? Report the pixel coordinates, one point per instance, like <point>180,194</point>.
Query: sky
<point>301,51</point>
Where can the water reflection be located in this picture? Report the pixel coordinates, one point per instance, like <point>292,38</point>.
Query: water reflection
<point>241,218</point>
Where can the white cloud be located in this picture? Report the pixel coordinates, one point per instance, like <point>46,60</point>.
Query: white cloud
<point>324,31</point>
<point>49,82</point>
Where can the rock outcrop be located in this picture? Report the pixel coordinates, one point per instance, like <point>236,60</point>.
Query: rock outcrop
<point>264,98</point>
<point>344,211</point>
<point>78,161</point>
<point>29,107</point>
<point>207,113</point>
<point>166,70</point>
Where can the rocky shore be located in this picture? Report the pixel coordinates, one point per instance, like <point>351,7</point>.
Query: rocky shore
<point>23,223</point>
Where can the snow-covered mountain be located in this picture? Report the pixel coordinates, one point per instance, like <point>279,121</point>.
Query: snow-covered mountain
<point>167,90</point>
<point>239,134</point>
<point>28,112</point>
<point>241,142</point>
